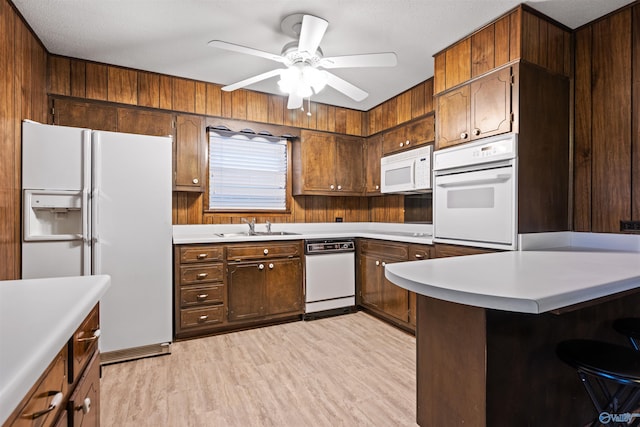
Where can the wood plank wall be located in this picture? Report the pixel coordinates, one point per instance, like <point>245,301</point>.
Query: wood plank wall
<point>22,95</point>
<point>106,83</point>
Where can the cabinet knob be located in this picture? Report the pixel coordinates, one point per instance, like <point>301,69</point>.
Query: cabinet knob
<point>377,262</point>
<point>195,180</point>
<point>464,135</point>
<point>261,267</point>
<point>270,266</point>
<point>476,131</point>
<point>86,406</point>
<point>202,275</point>
<point>407,142</point>
<point>332,186</point>
<point>266,251</point>
<point>203,317</point>
<point>384,263</point>
<point>402,144</point>
<point>377,187</point>
<point>55,402</point>
<point>339,187</point>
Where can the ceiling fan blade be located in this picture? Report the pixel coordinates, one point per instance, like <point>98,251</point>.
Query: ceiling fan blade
<point>387,59</point>
<point>345,87</point>
<point>294,101</point>
<point>252,80</point>
<point>246,50</point>
<point>311,33</point>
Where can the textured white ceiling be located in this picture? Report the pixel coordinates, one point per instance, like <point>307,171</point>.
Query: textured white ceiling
<point>170,36</point>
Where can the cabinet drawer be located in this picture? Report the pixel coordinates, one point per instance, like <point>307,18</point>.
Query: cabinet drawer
<point>386,249</point>
<point>83,344</point>
<point>202,273</point>
<point>84,403</point>
<point>264,250</point>
<point>419,252</point>
<point>189,254</point>
<point>197,317</point>
<point>35,407</point>
<point>199,295</point>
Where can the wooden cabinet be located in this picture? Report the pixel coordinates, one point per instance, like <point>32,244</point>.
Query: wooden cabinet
<point>409,135</point>
<point>444,251</point>
<point>189,154</point>
<point>373,149</point>
<point>199,289</point>
<point>67,394</point>
<point>377,294</point>
<point>477,110</point>
<point>145,122</point>
<point>264,281</point>
<point>328,164</point>
<point>90,115</point>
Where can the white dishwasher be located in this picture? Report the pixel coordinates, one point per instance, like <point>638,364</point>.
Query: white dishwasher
<point>330,277</point>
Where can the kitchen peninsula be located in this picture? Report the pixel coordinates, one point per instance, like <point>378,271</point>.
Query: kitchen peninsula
<point>488,325</point>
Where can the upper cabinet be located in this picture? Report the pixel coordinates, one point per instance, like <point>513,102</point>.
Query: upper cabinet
<point>372,169</point>
<point>409,135</point>
<point>476,110</point>
<point>328,164</point>
<point>189,154</point>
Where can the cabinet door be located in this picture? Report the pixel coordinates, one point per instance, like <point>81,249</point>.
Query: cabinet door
<point>246,284</point>
<point>84,403</point>
<point>396,299</point>
<point>349,162</point>
<point>318,161</point>
<point>491,104</point>
<point>84,115</point>
<point>420,132</point>
<point>284,286</point>
<point>374,153</point>
<point>370,283</point>
<point>145,122</point>
<point>452,111</point>
<point>189,154</point>
<point>394,140</point>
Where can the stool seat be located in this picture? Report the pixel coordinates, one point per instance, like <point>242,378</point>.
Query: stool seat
<point>630,328</point>
<point>611,361</point>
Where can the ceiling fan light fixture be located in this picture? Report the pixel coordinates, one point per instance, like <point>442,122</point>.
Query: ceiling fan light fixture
<point>315,78</point>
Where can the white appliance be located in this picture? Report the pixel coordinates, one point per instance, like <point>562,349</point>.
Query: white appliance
<point>475,193</point>
<point>330,277</point>
<point>408,172</point>
<point>100,203</point>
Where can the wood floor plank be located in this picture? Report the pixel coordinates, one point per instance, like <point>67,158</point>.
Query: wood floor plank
<point>350,370</point>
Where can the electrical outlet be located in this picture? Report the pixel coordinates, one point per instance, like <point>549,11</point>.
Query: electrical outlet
<point>630,226</point>
<point>338,219</point>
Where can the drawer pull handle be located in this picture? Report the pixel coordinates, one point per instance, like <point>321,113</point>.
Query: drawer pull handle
<point>261,267</point>
<point>202,275</point>
<point>85,407</point>
<point>55,402</point>
<point>203,317</point>
<point>270,266</point>
<point>95,336</point>
<point>419,256</point>
<point>202,296</point>
<point>201,256</point>
<point>266,251</point>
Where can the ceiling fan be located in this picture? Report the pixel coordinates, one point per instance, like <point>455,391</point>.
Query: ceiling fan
<point>303,59</point>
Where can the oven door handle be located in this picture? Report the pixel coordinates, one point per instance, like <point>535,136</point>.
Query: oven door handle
<point>502,177</point>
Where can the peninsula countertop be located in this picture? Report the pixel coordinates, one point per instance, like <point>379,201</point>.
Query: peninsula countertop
<point>37,318</point>
<point>536,281</point>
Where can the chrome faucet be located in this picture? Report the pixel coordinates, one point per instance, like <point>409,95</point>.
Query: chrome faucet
<point>251,224</point>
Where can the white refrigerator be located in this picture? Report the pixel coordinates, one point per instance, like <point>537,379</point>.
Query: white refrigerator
<point>99,202</point>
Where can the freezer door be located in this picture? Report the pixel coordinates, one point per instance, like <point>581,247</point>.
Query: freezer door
<point>131,226</point>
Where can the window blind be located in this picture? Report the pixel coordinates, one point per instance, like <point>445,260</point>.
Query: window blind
<point>247,173</point>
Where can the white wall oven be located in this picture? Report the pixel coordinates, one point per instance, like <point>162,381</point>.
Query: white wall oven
<point>475,193</point>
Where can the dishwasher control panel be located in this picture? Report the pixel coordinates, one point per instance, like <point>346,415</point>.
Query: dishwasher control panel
<point>324,246</point>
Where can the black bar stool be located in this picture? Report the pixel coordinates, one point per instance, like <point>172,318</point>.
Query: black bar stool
<point>616,371</point>
<point>630,328</point>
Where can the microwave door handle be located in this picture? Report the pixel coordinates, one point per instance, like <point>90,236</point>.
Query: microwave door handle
<point>495,179</point>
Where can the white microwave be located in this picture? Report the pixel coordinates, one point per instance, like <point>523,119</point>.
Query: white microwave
<point>408,172</point>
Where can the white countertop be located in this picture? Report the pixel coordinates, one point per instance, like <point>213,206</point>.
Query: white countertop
<point>37,318</point>
<point>535,281</point>
<point>409,233</point>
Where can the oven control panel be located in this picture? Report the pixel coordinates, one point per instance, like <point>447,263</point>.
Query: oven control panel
<point>493,149</point>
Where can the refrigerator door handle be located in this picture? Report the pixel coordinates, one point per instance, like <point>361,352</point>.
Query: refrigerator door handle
<point>95,197</point>
<point>86,237</point>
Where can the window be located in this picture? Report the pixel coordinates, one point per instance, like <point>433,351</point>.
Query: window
<point>247,172</point>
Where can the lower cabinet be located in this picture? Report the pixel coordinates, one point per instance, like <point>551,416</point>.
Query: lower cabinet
<point>68,392</point>
<point>223,287</point>
<point>377,294</point>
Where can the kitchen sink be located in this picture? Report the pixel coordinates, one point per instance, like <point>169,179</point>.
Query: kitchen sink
<point>257,233</point>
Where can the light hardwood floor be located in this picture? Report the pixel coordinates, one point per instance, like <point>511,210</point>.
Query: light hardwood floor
<point>350,370</point>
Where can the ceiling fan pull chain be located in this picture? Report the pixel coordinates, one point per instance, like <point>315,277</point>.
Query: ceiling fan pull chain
<point>309,107</point>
